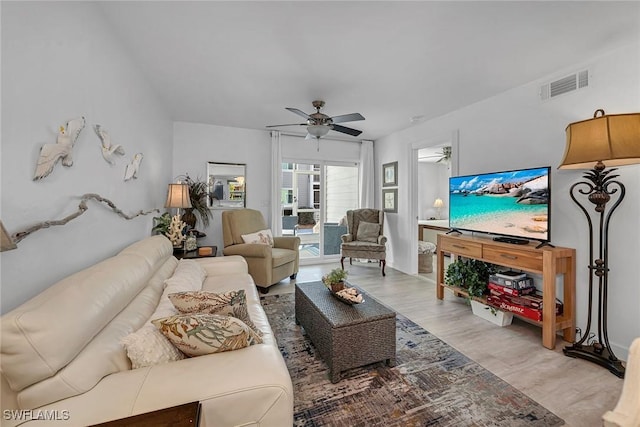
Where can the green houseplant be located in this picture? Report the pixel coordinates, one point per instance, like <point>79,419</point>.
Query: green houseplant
<point>198,195</point>
<point>469,274</point>
<point>334,280</point>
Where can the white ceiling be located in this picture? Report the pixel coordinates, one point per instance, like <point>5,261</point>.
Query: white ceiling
<point>241,63</point>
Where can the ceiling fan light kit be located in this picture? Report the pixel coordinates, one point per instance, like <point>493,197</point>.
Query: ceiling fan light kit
<point>319,124</point>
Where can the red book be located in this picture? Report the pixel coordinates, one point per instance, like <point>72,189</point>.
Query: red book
<point>505,290</point>
<point>528,312</point>
<point>533,301</point>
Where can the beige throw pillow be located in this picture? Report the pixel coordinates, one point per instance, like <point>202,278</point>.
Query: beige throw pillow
<point>199,334</point>
<point>368,232</point>
<point>232,303</point>
<point>264,237</point>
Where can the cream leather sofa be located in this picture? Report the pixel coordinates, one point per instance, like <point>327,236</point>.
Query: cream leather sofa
<point>62,357</point>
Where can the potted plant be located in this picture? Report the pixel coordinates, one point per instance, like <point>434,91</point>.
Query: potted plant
<point>334,280</point>
<point>161,223</point>
<point>198,195</point>
<point>470,274</point>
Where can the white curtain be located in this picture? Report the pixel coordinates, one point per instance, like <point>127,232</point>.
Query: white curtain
<point>276,183</point>
<point>367,194</point>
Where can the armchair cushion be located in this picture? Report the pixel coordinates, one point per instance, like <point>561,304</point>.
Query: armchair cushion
<point>368,232</point>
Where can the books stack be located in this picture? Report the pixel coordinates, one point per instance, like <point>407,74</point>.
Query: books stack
<point>514,292</point>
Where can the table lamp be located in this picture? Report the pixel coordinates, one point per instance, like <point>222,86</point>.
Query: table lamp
<point>438,204</point>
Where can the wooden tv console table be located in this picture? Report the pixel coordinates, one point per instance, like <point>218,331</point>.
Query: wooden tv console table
<point>548,261</point>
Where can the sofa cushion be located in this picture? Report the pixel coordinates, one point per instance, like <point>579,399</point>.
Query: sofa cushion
<point>232,303</point>
<point>189,274</point>
<point>368,232</point>
<point>199,333</point>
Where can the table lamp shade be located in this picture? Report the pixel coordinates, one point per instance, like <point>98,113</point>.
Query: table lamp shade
<point>614,139</point>
<point>438,203</point>
<point>178,196</point>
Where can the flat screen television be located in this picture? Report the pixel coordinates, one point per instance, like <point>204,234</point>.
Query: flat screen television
<point>515,204</point>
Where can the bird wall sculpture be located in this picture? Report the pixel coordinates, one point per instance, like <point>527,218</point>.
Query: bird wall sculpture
<point>109,150</point>
<point>132,168</point>
<point>50,154</point>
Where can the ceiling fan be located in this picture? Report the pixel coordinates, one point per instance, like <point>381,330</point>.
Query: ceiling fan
<point>443,157</point>
<point>319,124</point>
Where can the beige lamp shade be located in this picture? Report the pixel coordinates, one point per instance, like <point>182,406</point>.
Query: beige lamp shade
<point>6,242</point>
<point>438,203</point>
<point>611,139</point>
<point>178,196</point>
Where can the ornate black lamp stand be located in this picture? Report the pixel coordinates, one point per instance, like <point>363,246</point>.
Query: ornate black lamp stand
<point>598,188</point>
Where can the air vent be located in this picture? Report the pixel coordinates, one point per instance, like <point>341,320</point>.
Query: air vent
<point>564,85</point>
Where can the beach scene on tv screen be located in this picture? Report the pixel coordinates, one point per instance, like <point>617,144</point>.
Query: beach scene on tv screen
<point>514,203</point>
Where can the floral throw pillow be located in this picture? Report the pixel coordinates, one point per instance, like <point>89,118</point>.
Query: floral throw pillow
<point>199,334</point>
<point>232,303</point>
<point>264,237</point>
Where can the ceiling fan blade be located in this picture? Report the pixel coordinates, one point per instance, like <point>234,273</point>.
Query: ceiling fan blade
<point>348,131</point>
<point>298,112</point>
<point>290,124</point>
<point>347,118</point>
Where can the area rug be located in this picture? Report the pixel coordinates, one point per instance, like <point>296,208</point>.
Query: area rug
<point>432,384</point>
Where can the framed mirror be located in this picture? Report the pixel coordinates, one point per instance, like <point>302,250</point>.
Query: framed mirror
<point>226,185</point>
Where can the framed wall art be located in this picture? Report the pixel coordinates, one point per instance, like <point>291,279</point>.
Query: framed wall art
<point>390,200</point>
<point>390,174</point>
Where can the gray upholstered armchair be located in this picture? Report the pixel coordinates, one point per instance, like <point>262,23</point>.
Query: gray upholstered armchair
<point>364,237</point>
<point>267,264</point>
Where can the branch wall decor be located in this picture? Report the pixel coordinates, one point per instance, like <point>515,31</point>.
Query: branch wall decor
<point>50,154</point>
<point>82,208</point>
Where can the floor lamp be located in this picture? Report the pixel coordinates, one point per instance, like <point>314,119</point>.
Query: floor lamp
<point>614,139</point>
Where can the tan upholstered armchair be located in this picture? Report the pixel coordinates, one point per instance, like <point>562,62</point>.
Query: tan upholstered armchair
<point>267,265</point>
<point>364,238</point>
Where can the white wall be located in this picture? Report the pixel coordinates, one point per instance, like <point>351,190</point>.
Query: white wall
<point>61,61</point>
<point>515,129</point>
<point>196,144</point>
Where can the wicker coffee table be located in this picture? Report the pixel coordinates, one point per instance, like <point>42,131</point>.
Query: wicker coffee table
<point>346,336</point>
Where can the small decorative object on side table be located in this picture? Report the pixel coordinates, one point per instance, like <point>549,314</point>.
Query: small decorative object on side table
<point>201,252</point>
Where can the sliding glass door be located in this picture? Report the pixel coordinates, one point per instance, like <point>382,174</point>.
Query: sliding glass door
<point>315,198</point>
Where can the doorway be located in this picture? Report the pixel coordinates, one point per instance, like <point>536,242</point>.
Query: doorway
<point>421,204</point>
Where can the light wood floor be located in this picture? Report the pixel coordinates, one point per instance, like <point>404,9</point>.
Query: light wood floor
<point>576,390</point>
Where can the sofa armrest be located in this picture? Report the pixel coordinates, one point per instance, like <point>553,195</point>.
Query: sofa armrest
<point>286,242</point>
<point>222,266</point>
<point>346,238</point>
<point>248,250</point>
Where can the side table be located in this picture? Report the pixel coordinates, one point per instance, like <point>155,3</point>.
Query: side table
<point>187,415</point>
<point>196,254</point>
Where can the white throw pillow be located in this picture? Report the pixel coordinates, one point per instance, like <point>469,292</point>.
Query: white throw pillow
<point>147,347</point>
<point>264,237</point>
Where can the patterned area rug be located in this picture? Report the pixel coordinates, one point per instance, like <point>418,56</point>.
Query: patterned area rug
<point>432,384</point>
